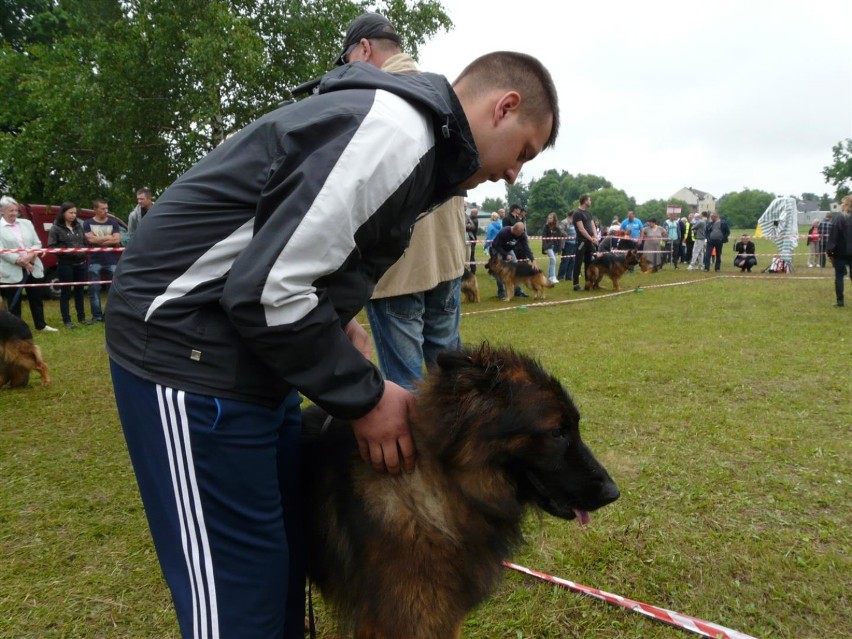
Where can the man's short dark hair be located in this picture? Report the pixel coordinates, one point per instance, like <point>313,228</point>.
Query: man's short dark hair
<point>514,208</point>
<point>144,191</point>
<point>98,201</point>
<point>584,198</point>
<point>519,72</point>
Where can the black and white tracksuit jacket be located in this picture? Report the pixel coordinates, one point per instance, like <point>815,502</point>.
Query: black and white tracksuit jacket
<point>242,276</point>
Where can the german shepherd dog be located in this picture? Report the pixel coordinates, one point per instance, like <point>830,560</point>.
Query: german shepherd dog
<point>612,264</point>
<point>469,286</point>
<point>18,354</point>
<point>409,556</point>
<point>515,273</point>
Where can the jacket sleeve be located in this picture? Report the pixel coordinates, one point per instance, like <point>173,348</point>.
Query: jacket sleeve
<point>324,219</point>
<point>53,237</point>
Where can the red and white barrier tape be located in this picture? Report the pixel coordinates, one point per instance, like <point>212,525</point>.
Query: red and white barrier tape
<point>94,249</point>
<point>42,284</point>
<point>684,622</point>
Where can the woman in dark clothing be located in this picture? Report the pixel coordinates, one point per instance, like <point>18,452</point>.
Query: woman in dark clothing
<point>67,233</point>
<point>744,258</point>
<point>552,244</point>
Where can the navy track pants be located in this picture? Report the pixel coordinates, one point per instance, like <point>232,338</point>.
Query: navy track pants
<point>219,480</point>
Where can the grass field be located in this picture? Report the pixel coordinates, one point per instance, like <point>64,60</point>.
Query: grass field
<point>721,407</point>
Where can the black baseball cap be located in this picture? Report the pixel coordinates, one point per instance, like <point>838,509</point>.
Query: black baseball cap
<point>367,25</point>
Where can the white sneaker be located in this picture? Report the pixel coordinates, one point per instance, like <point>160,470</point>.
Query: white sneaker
<point>553,280</point>
<point>48,329</point>
<point>689,268</point>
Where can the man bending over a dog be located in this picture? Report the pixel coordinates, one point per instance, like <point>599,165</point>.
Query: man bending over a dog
<point>512,244</point>
<point>222,311</point>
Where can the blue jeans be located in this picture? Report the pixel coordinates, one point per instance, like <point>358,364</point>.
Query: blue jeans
<point>71,273</point>
<point>551,268</point>
<point>96,271</point>
<point>566,264</point>
<point>409,330</point>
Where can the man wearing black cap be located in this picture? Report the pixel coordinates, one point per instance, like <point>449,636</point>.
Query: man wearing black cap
<point>222,311</point>
<point>367,32</point>
<point>415,310</point>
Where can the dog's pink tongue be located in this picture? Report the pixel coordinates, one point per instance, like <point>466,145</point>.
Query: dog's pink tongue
<point>582,517</point>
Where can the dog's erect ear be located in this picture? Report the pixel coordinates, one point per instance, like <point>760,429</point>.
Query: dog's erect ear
<point>454,360</point>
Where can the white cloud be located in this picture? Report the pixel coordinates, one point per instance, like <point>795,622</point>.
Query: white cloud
<point>659,95</point>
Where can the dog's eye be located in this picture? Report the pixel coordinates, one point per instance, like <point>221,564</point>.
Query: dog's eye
<point>558,433</point>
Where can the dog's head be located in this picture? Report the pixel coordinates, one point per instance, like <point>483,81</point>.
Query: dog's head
<point>509,414</point>
<point>631,257</point>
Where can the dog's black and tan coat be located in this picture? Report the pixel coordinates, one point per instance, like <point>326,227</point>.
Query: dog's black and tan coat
<point>18,353</point>
<point>408,556</point>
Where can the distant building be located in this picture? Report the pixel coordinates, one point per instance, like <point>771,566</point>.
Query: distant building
<point>808,211</point>
<point>699,201</point>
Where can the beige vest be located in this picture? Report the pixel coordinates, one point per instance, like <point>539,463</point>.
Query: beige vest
<point>437,252</point>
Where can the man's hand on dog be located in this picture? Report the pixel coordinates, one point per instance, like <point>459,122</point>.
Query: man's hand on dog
<point>383,434</point>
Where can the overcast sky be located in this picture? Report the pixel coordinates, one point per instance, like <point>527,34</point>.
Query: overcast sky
<point>718,95</point>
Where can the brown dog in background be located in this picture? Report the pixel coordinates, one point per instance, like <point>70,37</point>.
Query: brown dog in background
<point>18,353</point>
<point>612,264</point>
<point>409,556</point>
<point>514,273</point>
<point>469,286</point>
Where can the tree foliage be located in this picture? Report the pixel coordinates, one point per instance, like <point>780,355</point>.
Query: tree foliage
<point>492,204</point>
<point>518,193</point>
<point>608,203</point>
<point>743,209</point>
<point>545,196</point>
<point>657,209</point>
<point>105,96</point>
<point>839,173</point>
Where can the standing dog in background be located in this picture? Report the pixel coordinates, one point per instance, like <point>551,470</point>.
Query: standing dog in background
<point>18,353</point>
<point>612,264</point>
<point>409,556</point>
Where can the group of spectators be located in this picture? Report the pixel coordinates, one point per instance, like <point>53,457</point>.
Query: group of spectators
<point>697,242</point>
<point>572,243</point>
<point>77,267</point>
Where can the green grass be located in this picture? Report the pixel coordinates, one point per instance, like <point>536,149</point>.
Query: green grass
<point>722,408</point>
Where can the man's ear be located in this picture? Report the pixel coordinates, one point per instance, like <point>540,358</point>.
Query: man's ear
<point>507,103</point>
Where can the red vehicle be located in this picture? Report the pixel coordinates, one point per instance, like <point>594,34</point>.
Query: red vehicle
<point>42,217</point>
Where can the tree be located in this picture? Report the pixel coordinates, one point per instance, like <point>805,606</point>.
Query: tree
<point>651,208</point>
<point>130,93</point>
<point>517,193</point>
<point>657,209</point>
<point>545,196</point>
<point>573,187</point>
<point>825,202</point>
<point>491,204</point>
<point>608,203</point>
<point>744,209</point>
<point>840,172</point>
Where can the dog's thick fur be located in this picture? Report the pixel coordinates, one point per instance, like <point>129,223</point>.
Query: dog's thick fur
<point>612,264</point>
<point>18,354</point>
<point>408,556</point>
<point>469,286</point>
<point>514,273</point>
